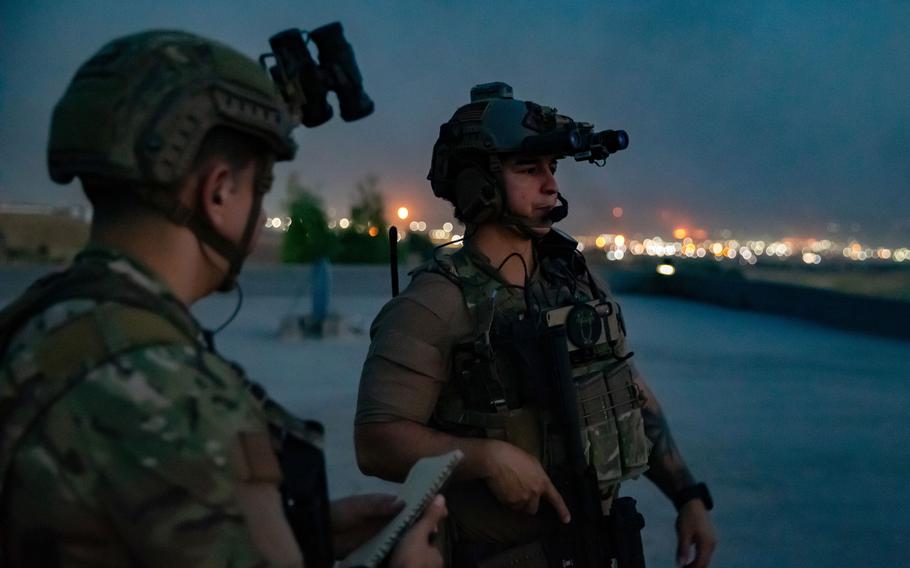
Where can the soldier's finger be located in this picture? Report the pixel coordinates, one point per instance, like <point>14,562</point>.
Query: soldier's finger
<point>434,513</point>
<point>381,504</point>
<point>683,549</point>
<point>555,499</point>
<point>367,506</point>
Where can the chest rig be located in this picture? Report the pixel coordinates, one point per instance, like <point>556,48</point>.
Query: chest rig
<point>509,378</point>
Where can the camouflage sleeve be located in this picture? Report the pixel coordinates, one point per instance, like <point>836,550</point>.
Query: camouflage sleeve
<point>146,440</point>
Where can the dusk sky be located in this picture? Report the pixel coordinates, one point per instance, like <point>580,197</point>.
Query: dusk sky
<point>765,118</point>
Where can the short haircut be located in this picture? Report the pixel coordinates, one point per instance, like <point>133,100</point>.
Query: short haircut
<point>114,200</point>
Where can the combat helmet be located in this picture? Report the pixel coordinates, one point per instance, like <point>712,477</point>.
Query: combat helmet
<point>138,110</point>
<point>466,168</point>
<point>135,116</point>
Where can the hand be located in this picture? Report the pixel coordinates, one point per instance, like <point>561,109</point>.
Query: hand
<point>358,517</point>
<point>519,481</point>
<point>693,527</point>
<point>416,549</point>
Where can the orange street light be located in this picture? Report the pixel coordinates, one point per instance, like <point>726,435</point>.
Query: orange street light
<point>403,213</point>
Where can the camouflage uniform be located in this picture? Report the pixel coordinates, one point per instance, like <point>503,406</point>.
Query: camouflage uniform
<point>137,462</point>
<point>125,439</point>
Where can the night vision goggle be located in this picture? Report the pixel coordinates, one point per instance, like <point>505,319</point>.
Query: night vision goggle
<point>304,84</point>
<point>578,140</point>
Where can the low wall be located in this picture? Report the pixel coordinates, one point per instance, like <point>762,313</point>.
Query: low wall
<point>889,318</point>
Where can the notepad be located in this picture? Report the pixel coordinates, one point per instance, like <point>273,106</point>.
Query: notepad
<point>424,481</point>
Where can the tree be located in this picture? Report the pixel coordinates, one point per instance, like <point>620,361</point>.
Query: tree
<point>419,245</point>
<point>366,239</point>
<point>308,238</point>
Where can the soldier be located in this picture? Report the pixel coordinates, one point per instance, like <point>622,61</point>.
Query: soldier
<point>510,350</point>
<point>127,440</point>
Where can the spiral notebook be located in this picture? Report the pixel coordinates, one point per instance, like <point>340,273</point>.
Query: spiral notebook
<point>424,481</point>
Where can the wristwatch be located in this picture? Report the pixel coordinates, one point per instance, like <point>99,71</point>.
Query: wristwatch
<point>697,491</point>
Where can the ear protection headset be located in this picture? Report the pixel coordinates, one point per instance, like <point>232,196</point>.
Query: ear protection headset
<point>480,197</point>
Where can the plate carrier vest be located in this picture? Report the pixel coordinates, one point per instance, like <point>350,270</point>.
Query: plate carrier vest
<point>503,384</point>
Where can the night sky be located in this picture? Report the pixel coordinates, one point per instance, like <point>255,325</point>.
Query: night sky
<point>768,118</point>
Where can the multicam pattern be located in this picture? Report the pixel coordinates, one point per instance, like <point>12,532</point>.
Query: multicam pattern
<point>139,109</point>
<point>612,433</point>
<point>130,467</point>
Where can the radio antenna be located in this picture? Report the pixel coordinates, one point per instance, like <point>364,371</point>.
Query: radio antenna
<point>393,258</point>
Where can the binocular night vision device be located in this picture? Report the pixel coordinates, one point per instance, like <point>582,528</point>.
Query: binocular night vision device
<point>578,141</point>
<point>304,84</point>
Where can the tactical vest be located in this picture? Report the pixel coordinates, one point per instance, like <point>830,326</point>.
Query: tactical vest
<point>504,375</point>
<point>129,317</point>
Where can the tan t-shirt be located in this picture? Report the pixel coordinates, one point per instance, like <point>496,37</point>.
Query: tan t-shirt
<point>408,363</point>
<point>410,356</point>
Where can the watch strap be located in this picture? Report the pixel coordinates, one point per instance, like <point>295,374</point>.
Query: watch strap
<point>697,491</point>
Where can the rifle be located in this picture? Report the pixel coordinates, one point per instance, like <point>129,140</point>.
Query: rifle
<point>595,537</point>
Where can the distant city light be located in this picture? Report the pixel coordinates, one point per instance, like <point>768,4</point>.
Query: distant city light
<point>374,231</point>
<point>333,223</point>
<point>600,241</point>
<point>619,240</point>
<point>415,226</point>
<point>447,227</point>
<point>617,212</point>
<point>666,269</point>
<point>344,223</point>
<point>421,226</point>
<point>403,213</point>
<point>811,258</point>
<point>679,233</point>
